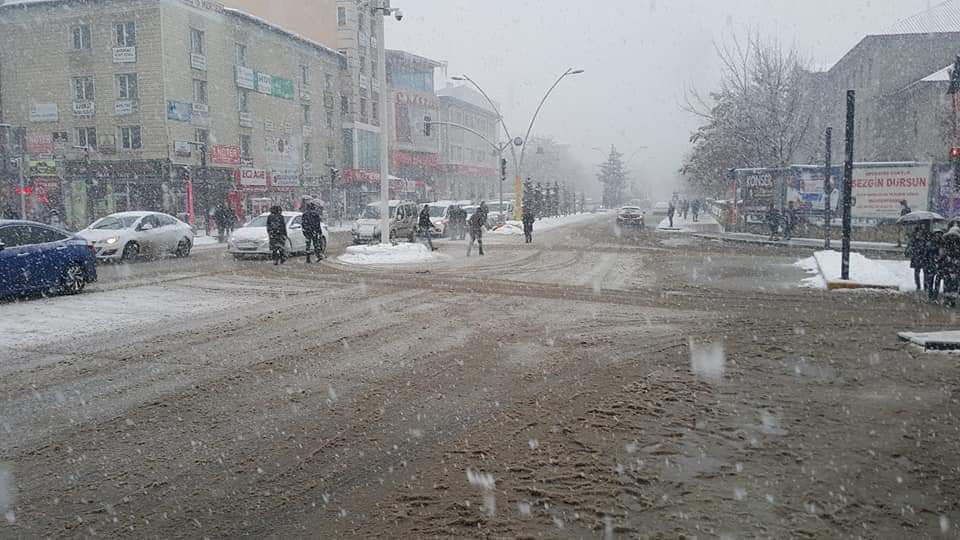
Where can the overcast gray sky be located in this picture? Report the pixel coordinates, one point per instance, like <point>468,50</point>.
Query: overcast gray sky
<point>639,55</point>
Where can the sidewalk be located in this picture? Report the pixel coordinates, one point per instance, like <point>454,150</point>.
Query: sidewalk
<point>815,243</point>
<point>706,224</point>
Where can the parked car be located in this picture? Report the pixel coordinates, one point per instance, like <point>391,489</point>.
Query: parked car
<point>404,216</point>
<point>36,258</point>
<point>630,217</point>
<point>128,235</point>
<point>494,212</point>
<point>251,240</point>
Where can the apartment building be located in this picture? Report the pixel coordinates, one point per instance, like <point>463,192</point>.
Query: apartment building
<point>170,105</point>
<point>414,144</point>
<point>467,166</point>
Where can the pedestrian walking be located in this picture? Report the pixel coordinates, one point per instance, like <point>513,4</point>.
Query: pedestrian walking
<point>671,210</point>
<point>477,222</point>
<point>426,226</point>
<point>931,264</point>
<point>915,252</point>
<point>904,210</point>
<point>313,231</point>
<point>950,266</point>
<point>789,220</point>
<point>695,209</point>
<point>528,219</point>
<point>277,232</point>
<point>773,221</point>
<point>684,208</point>
<point>224,218</point>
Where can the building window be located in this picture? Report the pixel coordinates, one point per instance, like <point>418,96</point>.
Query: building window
<point>241,53</point>
<point>83,89</point>
<point>306,115</point>
<point>373,67</point>
<point>363,64</point>
<point>243,101</point>
<point>341,16</point>
<point>80,37</point>
<point>199,91</point>
<point>363,109</point>
<point>87,137</point>
<point>344,105</point>
<point>329,119</point>
<point>427,122</point>
<point>331,154</point>
<point>202,136</point>
<point>246,147</point>
<point>126,33</point>
<point>361,20</point>
<point>328,81</point>
<point>307,158</point>
<point>130,138</point>
<point>127,86</point>
<point>375,107</point>
<point>305,75</point>
<point>197,45</point>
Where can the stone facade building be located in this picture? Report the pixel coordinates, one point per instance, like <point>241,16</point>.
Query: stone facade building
<point>468,166</point>
<point>172,105</point>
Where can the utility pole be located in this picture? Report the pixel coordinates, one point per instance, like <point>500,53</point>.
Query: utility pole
<point>21,135</point>
<point>827,191</point>
<point>848,184</point>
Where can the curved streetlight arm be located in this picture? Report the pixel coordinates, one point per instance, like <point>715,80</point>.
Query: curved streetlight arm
<point>503,123</point>
<point>526,137</point>
<point>497,147</point>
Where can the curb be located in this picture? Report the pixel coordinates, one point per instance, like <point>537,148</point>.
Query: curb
<point>839,285</point>
<point>783,245</point>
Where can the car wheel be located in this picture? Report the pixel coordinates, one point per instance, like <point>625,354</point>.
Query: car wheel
<point>239,257</point>
<point>74,279</point>
<point>183,248</point>
<point>131,251</point>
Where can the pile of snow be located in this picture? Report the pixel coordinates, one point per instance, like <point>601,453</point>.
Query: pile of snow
<point>205,241</point>
<point>511,227</point>
<point>881,273</point>
<point>390,254</point>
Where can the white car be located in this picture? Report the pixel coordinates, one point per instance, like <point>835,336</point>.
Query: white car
<point>404,216</point>
<point>439,217</point>
<point>252,240</point>
<point>128,235</point>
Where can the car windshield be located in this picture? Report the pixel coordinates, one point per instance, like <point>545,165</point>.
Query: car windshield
<point>114,223</point>
<point>714,293</point>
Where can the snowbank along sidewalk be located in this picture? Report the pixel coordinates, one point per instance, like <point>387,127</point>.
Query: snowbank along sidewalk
<point>864,273</point>
<point>401,253</point>
<point>511,228</point>
<point>705,224</point>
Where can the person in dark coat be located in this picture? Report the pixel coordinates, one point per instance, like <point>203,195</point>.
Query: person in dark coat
<point>225,219</point>
<point>277,231</point>
<point>916,251</point>
<point>461,223</point>
<point>671,210</point>
<point>313,231</point>
<point>477,221</point>
<point>426,226</point>
<point>789,220</point>
<point>773,221</point>
<point>528,219</point>
<point>931,264</point>
<point>695,209</point>
<point>684,208</point>
<point>950,266</point>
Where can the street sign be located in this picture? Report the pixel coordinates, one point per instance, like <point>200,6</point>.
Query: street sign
<point>518,142</point>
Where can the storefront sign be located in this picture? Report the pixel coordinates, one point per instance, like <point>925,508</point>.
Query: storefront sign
<point>39,144</point>
<point>179,111</point>
<point>44,112</point>
<point>84,108</point>
<point>198,61</point>
<point>182,148</point>
<point>282,88</point>
<point>416,99</point>
<point>124,55</point>
<point>878,189</point>
<point>252,177</point>
<point>226,154</point>
<point>264,83</point>
<point>246,78</point>
<point>281,152</point>
<point>122,108</point>
<point>284,178</point>
<point>246,120</point>
<point>43,168</point>
<point>200,108</point>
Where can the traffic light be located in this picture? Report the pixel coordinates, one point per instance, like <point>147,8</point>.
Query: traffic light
<point>503,168</point>
<point>955,161</point>
<point>426,125</point>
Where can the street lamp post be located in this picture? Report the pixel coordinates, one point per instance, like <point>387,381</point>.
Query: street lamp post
<point>518,162</point>
<point>382,7</point>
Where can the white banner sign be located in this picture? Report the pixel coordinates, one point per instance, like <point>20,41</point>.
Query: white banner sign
<point>246,78</point>
<point>44,112</point>
<point>198,61</point>
<point>123,108</point>
<point>124,55</point>
<point>878,190</point>
<point>253,177</point>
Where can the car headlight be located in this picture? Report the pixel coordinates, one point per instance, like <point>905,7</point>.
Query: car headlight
<point>112,241</point>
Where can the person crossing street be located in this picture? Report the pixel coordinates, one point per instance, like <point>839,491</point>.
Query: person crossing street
<point>477,221</point>
<point>528,220</point>
<point>313,232</point>
<point>426,226</point>
<point>277,232</point>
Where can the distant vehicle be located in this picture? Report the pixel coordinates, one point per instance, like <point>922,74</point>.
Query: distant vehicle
<point>404,216</point>
<point>129,235</point>
<point>661,208</point>
<point>630,217</point>
<point>36,258</point>
<point>494,212</point>
<point>251,240</point>
<point>439,217</point>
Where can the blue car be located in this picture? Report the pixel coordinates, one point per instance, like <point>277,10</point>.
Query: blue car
<point>36,258</point>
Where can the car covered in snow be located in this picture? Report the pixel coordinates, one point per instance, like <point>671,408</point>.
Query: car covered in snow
<point>630,217</point>
<point>36,258</point>
<point>404,216</point>
<point>251,240</point>
<point>129,235</point>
